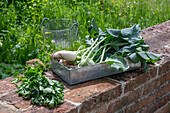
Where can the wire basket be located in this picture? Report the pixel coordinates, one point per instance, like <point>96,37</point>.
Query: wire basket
<point>62,31</point>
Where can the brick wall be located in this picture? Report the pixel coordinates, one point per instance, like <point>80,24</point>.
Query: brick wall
<point>129,92</point>
<point>150,93</point>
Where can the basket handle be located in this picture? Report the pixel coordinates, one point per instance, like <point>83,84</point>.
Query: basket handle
<point>77,24</point>
<point>43,21</point>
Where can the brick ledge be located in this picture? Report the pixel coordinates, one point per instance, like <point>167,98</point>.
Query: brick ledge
<point>110,94</point>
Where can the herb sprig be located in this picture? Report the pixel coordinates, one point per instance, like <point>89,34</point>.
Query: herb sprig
<point>38,88</point>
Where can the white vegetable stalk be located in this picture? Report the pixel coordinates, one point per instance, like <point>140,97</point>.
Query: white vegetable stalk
<point>66,55</point>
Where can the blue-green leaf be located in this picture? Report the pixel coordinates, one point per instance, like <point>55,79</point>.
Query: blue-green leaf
<point>153,56</point>
<point>132,33</point>
<point>134,57</point>
<point>93,28</point>
<point>117,63</point>
<point>143,55</point>
<point>94,25</point>
<point>113,32</point>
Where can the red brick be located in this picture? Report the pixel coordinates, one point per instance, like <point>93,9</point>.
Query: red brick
<point>32,62</point>
<point>62,108</point>
<point>103,110</point>
<point>149,87</point>
<point>141,79</point>
<point>6,86</point>
<point>94,93</point>
<point>155,106</point>
<point>129,75</point>
<point>124,101</point>
<point>165,59</point>
<point>15,100</point>
<point>149,99</point>
<point>157,36</point>
<point>164,67</point>
<point>164,109</point>
<point>87,90</point>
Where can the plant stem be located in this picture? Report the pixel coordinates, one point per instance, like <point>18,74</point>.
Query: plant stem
<point>102,54</point>
<point>95,47</point>
<point>99,50</point>
<point>89,49</point>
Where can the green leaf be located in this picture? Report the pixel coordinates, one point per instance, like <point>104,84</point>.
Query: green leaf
<point>115,66</point>
<point>135,58</point>
<point>93,33</point>
<point>144,45</point>
<point>47,90</point>
<point>39,89</point>
<point>117,63</point>
<point>17,66</point>
<point>101,33</point>
<point>52,102</point>
<point>30,73</point>
<point>144,64</point>
<point>50,81</point>
<point>131,33</point>
<point>153,56</point>
<point>143,55</point>
<point>89,41</point>
<point>113,32</point>
<point>126,32</point>
<point>129,49</point>
<point>94,25</point>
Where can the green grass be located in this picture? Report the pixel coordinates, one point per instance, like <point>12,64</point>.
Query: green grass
<point>21,38</point>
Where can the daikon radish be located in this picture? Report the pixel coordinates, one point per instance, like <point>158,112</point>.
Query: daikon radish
<point>66,55</point>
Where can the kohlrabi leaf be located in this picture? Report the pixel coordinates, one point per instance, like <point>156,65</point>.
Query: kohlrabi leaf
<point>131,32</point>
<point>120,42</point>
<point>93,27</point>
<point>143,55</point>
<point>129,49</point>
<point>144,64</point>
<point>89,41</point>
<point>144,46</point>
<point>126,43</point>
<point>126,32</point>
<point>153,56</point>
<point>113,32</point>
<point>117,63</point>
<point>135,58</point>
<point>101,33</point>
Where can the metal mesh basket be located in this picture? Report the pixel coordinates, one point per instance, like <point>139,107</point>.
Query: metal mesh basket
<point>62,31</point>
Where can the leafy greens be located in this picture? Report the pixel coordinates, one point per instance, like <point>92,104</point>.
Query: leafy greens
<point>113,46</point>
<point>38,88</point>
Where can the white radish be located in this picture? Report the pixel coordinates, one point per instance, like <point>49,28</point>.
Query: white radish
<point>66,55</point>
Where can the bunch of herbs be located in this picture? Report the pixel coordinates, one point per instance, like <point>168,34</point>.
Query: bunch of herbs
<point>38,88</point>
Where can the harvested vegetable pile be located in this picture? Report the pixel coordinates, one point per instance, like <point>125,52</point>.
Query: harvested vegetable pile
<point>38,88</point>
<point>115,47</point>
